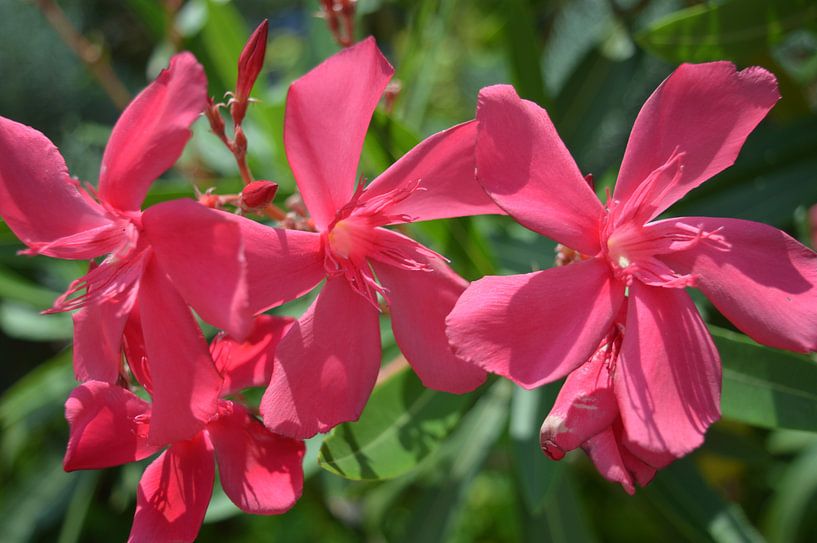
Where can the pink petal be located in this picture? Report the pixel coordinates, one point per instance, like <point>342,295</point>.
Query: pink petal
<point>173,493</point>
<point>766,284</point>
<point>604,451</point>
<point>537,327</point>
<point>705,111</point>
<point>326,365</point>
<point>525,167</point>
<point>98,329</point>
<point>281,264</point>
<point>261,472</point>
<point>185,381</point>
<point>133,345</point>
<point>668,377</point>
<point>327,113</point>
<point>444,165</point>
<point>38,199</point>
<point>203,253</point>
<point>585,407</point>
<point>109,427</point>
<point>419,301</point>
<point>249,364</point>
<point>151,133</point>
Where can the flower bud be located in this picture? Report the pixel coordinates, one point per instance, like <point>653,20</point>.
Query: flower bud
<point>250,63</point>
<point>258,194</point>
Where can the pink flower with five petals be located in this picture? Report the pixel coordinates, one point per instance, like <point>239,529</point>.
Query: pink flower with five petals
<point>260,472</point>
<point>539,327</point>
<point>54,216</point>
<point>327,364</point>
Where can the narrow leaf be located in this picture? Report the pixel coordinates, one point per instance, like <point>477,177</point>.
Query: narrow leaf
<point>402,424</point>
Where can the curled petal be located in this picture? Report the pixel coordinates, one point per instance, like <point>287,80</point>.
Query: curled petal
<point>668,377</point>
<point>537,327</point>
<point>260,471</point>
<point>705,111</point>
<point>765,282</point>
<point>108,427</point>
<point>41,203</point>
<point>327,113</point>
<point>604,451</point>
<point>524,166</point>
<point>326,366</point>
<point>249,363</point>
<point>174,492</point>
<point>443,167</point>
<point>151,133</point>
<point>585,407</point>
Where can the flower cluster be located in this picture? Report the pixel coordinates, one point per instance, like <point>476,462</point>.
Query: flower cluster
<point>643,375</point>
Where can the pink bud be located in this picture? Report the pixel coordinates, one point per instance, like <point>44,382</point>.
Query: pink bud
<point>250,63</point>
<point>258,194</point>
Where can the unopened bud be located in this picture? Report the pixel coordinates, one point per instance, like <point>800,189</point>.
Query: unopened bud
<point>258,194</point>
<point>250,63</point>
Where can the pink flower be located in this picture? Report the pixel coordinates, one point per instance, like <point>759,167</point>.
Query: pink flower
<point>54,216</point>
<point>539,327</point>
<point>326,366</point>
<point>259,471</point>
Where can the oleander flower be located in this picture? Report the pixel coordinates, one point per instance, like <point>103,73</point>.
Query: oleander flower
<point>327,364</point>
<point>260,472</point>
<point>54,216</point>
<point>538,327</point>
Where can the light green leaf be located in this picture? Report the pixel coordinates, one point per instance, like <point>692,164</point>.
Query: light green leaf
<point>402,424</point>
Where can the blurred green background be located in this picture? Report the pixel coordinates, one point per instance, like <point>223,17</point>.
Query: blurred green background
<point>436,467</point>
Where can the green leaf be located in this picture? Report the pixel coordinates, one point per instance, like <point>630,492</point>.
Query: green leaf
<point>563,519</point>
<point>537,475</point>
<point>224,35</point>
<point>735,29</point>
<point>402,424</point>
<point>435,516</point>
<point>523,50</point>
<point>792,504</point>
<point>22,321</point>
<point>14,287</point>
<point>695,508</point>
<point>766,387</point>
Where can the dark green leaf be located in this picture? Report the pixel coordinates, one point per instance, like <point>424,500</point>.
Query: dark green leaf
<point>792,503</point>
<point>739,30</point>
<point>434,518</point>
<point>766,387</point>
<point>696,509</point>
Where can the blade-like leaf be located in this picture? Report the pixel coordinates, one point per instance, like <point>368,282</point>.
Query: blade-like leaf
<point>735,29</point>
<point>402,424</point>
<point>696,509</point>
<point>766,387</point>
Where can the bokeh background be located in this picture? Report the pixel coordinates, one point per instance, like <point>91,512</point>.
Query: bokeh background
<point>468,468</point>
